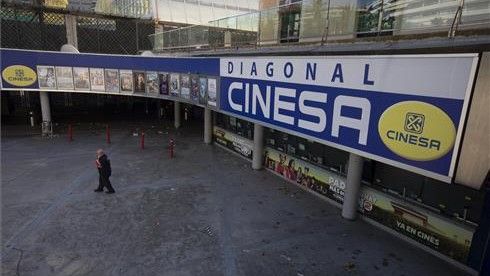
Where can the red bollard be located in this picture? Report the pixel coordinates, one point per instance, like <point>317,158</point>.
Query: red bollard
<point>142,140</point>
<point>70,133</point>
<point>108,134</point>
<point>171,145</point>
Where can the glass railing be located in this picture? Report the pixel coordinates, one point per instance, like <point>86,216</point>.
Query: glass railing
<point>320,21</point>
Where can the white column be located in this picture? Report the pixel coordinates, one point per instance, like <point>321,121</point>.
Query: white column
<point>45,111</point>
<point>208,126</point>
<point>227,39</point>
<point>352,187</point>
<point>258,149</point>
<point>177,114</point>
<point>71,30</point>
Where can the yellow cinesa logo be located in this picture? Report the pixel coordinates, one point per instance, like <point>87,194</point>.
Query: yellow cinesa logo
<point>417,131</point>
<point>19,75</point>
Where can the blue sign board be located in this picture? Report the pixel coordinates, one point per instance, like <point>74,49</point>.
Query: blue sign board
<point>407,111</point>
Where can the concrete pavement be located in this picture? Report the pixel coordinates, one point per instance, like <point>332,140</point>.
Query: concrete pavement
<point>206,212</point>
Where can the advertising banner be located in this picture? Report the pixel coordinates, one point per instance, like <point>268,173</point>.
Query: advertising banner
<point>19,67</point>
<point>407,111</point>
<point>442,235</point>
<point>306,174</point>
<point>421,225</point>
<point>404,110</point>
<point>234,142</point>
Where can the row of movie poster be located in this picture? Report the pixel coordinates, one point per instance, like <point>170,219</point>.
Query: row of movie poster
<point>421,225</point>
<point>199,89</point>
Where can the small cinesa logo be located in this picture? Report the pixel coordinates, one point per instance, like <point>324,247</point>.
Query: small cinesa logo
<point>19,75</point>
<point>417,131</point>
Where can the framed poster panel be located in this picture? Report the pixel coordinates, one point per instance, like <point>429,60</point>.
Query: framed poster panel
<point>152,85</point>
<point>139,81</point>
<point>126,81</point>
<point>46,77</point>
<point>64,77</point>
<point>81,78</point>
<point>112,80</point>
<point>97,79</point>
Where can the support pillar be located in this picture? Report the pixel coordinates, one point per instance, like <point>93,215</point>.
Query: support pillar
<point>227,39</point>
<point>46,112</point>
<point>177,114</point>
<point>258,150</point>
<point>352,187</point>
<point>208,126</point>
<point>71,30</point>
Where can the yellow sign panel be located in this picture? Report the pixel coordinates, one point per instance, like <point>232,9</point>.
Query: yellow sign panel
<point>19,75</point>
<point>417,131</point>
<point>62,4</point>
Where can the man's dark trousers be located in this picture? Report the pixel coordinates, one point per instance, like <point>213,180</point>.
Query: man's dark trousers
<point>104,182</point>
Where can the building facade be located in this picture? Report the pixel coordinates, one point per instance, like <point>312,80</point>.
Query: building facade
<point>440,202</point>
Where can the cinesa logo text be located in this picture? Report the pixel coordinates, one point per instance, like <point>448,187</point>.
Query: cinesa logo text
<point>19,75</point>
<point>417,131</point>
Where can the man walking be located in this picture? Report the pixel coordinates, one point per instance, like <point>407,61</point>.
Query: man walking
<point>104,166</point>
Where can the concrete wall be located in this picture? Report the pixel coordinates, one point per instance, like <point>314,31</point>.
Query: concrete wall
<point>474,161</point>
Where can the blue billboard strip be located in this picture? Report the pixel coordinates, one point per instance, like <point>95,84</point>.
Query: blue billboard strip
<point>32,59</point>
<point>407,111</point>
<point>192,80</point>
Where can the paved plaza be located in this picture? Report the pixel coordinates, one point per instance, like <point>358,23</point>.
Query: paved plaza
<point>205,212</point>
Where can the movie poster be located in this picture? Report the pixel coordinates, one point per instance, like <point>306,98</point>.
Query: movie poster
<point>81,78</point>
<point>185,89</point>
<point>212,90</point>
<point>126,81</point>
<point>175,85</point>
<point>203,89</point>
<point>139,81</point>
<point>233,142</point>
<point>425,227</point>
<point>152,86</point>
<point>195,88</point>
<point>64,77</point>
<point>46,77</point>
<point>97,79</point>
<point>306,174</point>
<point>163,79</point>
<point>111,80</point>
<point>419,224</point>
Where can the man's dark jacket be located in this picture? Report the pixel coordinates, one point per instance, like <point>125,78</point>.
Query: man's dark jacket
<point>105,169</point>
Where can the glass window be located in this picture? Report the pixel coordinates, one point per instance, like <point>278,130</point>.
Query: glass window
<point>368,15</point>
<point>453,199</point>
<point>313,19</point>
<point>232,123</point>
<point>398,181</point>
<point>270,140</point>
<point>342,17</point>
<point>292,145</point>
<point>476,12</point>
<point>335,159</point>
<point>315,151</point>
<point>368,170</point>
<point>268,24</point>
<point>290,21</point>
<point>301,150</point>
<point>421,14</point>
